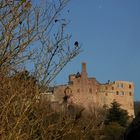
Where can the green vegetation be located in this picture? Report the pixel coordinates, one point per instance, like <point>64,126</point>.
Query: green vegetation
<point>137,107</point>
<point>116,114</point>
<point>113,131</point>
<point>133,131</point>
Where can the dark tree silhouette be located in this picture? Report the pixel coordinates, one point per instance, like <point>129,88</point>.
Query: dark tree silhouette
<point>116,114</point>
<point>133,131</point>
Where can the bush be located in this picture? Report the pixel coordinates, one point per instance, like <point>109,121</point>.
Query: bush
<point>113,131</point>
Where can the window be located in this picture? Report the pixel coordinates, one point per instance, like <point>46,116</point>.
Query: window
<point>117,92</point>
<point>106,94</point>
<point>90,90</point>
<point>130,86</point>
<point>106,88</point>
<point>67,91</point>
<point>112,88</point>
<point>121,93</point>
<point>121,85</point>
<point>130,93</point>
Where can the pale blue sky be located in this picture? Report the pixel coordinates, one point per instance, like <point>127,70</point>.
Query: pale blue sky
<point>109,31</point>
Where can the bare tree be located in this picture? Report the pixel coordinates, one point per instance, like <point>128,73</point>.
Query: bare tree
<point>32,36</point>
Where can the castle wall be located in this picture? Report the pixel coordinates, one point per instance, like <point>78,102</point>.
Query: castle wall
<point>88,92</point>
<point>121,91</point>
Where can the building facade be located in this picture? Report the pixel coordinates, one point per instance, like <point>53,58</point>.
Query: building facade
<point>88,92</point>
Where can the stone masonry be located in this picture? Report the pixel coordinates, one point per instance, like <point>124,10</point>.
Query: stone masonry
<point>88,92</point>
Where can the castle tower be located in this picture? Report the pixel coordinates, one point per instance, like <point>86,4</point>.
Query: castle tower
<point>84,79</point>
<point>84,71</point>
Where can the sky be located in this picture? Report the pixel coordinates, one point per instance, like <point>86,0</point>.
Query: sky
<point>109,34</point>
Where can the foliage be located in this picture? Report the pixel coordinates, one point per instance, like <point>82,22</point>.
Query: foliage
<point>113,131</point>
<point>24,117</point>
<point>116,114</point>
<point>133,130</point>
<point>137,107</point>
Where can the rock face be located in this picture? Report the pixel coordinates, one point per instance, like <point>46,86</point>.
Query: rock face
<point>89,93</point>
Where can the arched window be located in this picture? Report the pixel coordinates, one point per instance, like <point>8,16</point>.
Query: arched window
<point>67,91</point>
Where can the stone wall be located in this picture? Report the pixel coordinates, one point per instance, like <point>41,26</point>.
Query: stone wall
<point>89,93</point>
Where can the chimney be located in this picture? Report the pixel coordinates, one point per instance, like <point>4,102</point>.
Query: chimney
<point>84,71</point>
<point>83,67</point>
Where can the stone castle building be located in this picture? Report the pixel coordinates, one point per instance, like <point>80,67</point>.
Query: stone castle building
<point>88,92</point>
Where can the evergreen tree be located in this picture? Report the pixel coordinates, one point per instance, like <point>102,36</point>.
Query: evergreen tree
<point>116,114</point>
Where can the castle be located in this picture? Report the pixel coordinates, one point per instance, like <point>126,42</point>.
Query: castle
<point>88,92</point>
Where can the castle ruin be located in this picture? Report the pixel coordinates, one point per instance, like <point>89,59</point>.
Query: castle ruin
<point>88,92</point>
